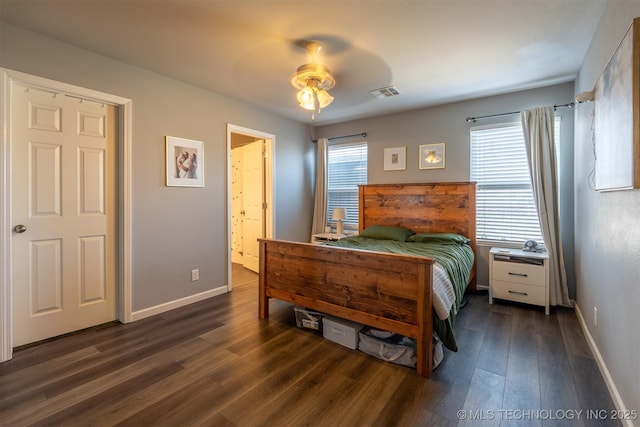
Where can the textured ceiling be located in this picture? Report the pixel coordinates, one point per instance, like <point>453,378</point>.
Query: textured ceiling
<point>434,52</point>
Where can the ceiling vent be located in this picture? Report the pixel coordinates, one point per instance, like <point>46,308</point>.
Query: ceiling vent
<point>385,92</point>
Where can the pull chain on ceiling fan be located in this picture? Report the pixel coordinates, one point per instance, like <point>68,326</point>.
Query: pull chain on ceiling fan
<point>313,80</point>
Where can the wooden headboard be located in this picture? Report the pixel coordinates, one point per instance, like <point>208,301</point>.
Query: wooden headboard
<point>444,207</point>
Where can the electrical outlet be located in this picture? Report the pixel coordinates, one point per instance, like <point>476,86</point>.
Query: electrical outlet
<point>595,316</point>
<point>195,275</point>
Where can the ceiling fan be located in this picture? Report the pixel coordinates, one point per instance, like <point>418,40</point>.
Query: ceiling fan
<point>313,80</point>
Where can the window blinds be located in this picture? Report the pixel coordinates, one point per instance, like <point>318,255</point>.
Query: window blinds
<point>506,210</point>
<point>347,168</point>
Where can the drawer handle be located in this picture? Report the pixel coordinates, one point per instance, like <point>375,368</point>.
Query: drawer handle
<point>524,294</point>
<point>518,274</point>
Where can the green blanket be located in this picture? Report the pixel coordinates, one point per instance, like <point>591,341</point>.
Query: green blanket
<point>456,259</point>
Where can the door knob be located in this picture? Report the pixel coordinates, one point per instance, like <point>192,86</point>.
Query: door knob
<point>19,228</point>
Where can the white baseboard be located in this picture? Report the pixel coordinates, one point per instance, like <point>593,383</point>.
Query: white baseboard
<point>152,311</point>
<point>608,379</point>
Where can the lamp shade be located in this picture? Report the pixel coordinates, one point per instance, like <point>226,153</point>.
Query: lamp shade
<point>339,214</point>
<point>306,98</point>
<point>324,99</point>
<point>311,98</point>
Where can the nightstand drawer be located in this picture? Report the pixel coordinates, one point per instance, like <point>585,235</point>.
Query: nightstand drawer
<point>519,273</point>
<point>518,292</point>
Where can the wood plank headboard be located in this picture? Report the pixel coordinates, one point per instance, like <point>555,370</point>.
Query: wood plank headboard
<point>444,207</point>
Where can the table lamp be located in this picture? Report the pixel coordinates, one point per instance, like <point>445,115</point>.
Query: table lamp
<point>339,214</point>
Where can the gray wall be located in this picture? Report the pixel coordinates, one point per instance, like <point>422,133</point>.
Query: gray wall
<point>176,229</point>
<point>447,124</point>
<point>608,230</point>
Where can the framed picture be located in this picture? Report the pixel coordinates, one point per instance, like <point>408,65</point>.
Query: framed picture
<point>617,117</point>
<point>185,162</point>
<point>432,156</point>
<point>395,158</point>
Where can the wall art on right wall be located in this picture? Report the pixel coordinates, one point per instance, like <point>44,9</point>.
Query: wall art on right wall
<point>617,117</point>
<point>432,156</point>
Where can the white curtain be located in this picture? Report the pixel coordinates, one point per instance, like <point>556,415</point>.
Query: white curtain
<point>538,126</point>
<point>320,206</point>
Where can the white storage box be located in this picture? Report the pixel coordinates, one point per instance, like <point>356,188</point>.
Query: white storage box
<point>307,319</point>
<point>341,331</point>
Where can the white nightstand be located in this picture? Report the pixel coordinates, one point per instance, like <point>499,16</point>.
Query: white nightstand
<point>520,276</point>
<point>326,237</point>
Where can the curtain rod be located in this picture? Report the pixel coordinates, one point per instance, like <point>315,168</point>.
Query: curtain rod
<point>568,105</point>
<point>363,134</point>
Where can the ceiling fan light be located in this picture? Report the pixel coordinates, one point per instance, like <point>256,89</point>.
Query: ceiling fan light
<point>324,99</point>
<point>306,99</point>
<point>313,80</point>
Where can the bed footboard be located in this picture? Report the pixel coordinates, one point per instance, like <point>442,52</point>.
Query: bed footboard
<point>381,290</point>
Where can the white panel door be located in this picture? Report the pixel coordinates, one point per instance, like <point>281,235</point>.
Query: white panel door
<point>63,213</point>
<point>236,206</point>
<point>252,201</point>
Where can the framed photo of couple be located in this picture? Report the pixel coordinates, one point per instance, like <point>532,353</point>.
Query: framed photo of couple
<point>185,162</point>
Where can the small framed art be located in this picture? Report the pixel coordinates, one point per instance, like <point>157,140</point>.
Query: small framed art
<point>395,158</point>
<point>185,162</point>
<point>432,156</point>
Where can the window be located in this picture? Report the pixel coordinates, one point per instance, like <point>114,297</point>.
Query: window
<point>347,168</point>
<point>505,209</point>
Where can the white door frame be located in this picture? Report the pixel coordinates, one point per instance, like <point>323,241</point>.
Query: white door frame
<point>269,143</point>
<point>124,105</point>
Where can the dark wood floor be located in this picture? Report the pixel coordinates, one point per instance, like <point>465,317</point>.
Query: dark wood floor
<point>214,363</point>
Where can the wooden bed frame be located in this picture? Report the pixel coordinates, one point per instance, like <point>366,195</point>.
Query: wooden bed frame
<point>385,291</point>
